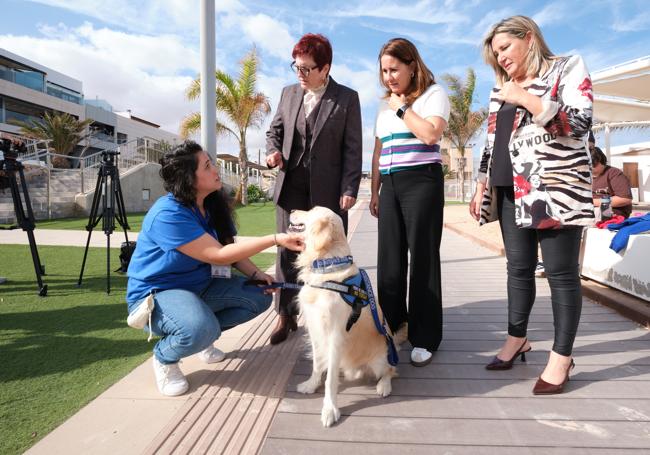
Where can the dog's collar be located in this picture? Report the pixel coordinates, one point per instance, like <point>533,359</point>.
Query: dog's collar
<point>329,265</point>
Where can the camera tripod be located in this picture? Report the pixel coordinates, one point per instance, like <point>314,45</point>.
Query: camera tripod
<point>24,213</point>
<point>109,191</point>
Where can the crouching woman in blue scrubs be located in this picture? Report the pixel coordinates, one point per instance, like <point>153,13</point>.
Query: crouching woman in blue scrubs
<point>183,258</point>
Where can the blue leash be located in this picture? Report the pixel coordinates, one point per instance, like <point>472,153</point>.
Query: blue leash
<point>393,357</point>
<point>357,292</point>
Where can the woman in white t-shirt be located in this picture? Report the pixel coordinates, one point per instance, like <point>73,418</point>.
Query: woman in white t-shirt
<point>406,165</point>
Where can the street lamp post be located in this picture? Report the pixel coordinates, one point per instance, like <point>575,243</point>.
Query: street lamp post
<point>208,79</point>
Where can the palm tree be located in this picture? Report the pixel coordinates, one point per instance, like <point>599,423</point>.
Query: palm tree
<point>464,123</point>
<point>62,130</point>
<point>243,107</point>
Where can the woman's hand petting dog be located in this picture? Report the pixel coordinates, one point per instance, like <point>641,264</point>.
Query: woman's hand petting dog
<point>292,241</point>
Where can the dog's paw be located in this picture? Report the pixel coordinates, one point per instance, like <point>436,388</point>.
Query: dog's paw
<point>329,415</point>
<point>307,387</point>
<point>384,387</point>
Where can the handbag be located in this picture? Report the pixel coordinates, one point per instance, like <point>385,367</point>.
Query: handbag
<point>126,251</point>
<point>534,207</point>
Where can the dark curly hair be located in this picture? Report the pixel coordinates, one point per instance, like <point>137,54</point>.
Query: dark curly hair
<point>598,157</point>
<point>178,172</point>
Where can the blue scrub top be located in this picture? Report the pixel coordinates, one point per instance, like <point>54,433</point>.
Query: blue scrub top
<point>156,264</point>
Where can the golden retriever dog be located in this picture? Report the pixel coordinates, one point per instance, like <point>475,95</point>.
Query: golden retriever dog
<point>360,351</point>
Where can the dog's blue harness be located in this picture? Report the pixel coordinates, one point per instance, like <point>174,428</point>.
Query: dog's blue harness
<point>356,291</point>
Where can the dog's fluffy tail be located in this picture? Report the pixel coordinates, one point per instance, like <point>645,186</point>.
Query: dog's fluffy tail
<point>401,335</point>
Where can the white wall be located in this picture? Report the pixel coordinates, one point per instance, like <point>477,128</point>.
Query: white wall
<point>644,172</point>
<point>134,130</point>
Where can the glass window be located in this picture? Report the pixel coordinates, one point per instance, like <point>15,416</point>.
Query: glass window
<point>20,111</point>
<point>30,79</point>
<point>64,94</point>
<point>20,74</point>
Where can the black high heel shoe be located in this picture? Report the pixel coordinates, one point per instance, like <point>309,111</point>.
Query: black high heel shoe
<point>546,388</point>
<point>498,364</point>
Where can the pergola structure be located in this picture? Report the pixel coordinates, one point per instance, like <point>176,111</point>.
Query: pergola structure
<point>621,97</point>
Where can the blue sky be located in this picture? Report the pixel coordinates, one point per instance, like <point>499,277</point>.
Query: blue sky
<point>142,54</point>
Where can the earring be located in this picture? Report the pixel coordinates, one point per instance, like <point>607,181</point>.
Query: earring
<point>412,75</point>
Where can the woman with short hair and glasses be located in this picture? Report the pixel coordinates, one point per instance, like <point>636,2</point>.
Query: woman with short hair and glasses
<point>315,142</point>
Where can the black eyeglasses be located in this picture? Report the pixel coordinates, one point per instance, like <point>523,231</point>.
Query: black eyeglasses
<point>302,69</point>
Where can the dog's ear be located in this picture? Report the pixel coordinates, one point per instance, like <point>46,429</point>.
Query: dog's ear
<point>321,234</point>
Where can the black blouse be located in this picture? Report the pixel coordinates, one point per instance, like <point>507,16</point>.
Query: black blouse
<point>501,163</point>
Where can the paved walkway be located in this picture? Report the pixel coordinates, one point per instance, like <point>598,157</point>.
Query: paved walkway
<point>70,237</point>
<point>248,403</point>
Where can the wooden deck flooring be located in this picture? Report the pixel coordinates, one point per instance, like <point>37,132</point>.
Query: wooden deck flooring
<point>455,406</point>
<point>452,406</point>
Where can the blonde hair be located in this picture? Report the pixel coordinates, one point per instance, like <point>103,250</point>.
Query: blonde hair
<point>539,56</point>
<point>406,52</point>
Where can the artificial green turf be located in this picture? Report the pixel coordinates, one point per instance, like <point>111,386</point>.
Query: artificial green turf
<point>61,351</point>
<point>79,223</point>
<point>254,219</point>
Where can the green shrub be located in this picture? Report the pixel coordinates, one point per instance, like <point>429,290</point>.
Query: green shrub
<point>255,194</point>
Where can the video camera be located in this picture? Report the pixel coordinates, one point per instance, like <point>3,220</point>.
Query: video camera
<point>9,151</point>
<point>108,156</point>
<point>13,177</point>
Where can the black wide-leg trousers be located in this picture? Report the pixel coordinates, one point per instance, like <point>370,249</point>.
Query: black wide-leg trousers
<point>561,251</point>
<point>411,206</point>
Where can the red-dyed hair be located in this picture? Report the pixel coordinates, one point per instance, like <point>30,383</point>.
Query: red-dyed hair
<point>317,47</point>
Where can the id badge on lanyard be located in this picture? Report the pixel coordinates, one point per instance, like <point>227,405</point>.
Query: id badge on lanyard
<point>221,271</point>
<point>217,271</point>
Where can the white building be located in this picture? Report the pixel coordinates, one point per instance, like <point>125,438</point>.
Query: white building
<point>28,90</point>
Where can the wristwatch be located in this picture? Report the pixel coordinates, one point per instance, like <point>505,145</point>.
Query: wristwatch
<point>402,110</point>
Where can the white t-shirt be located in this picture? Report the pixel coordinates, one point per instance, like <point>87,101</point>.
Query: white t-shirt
<point>400,148</point>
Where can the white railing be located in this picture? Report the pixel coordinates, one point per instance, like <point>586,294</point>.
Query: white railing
<point>129,155</point>
<point>453,193</point>
<point>231,178</point>
<point>38,159</point>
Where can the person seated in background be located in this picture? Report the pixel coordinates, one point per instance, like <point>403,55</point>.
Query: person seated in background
<point>611,181</point>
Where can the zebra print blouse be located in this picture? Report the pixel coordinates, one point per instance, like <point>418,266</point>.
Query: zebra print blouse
<point>558,171</point>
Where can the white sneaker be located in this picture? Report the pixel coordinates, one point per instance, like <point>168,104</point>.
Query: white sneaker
<point>420,357</point>
<point>169,378</point>
<point>212,355</point>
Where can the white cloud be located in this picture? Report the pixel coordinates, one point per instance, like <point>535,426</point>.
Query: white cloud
<point>555,13</point>
<point>117,71</point>
<point>424,11</point>
<point>148,16</point>
<point>269,34</point>
<point>365,81</point>
<point>638,23</point>
<point>162,54</point>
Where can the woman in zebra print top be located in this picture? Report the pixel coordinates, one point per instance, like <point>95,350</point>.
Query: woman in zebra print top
<point>535,178</point>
